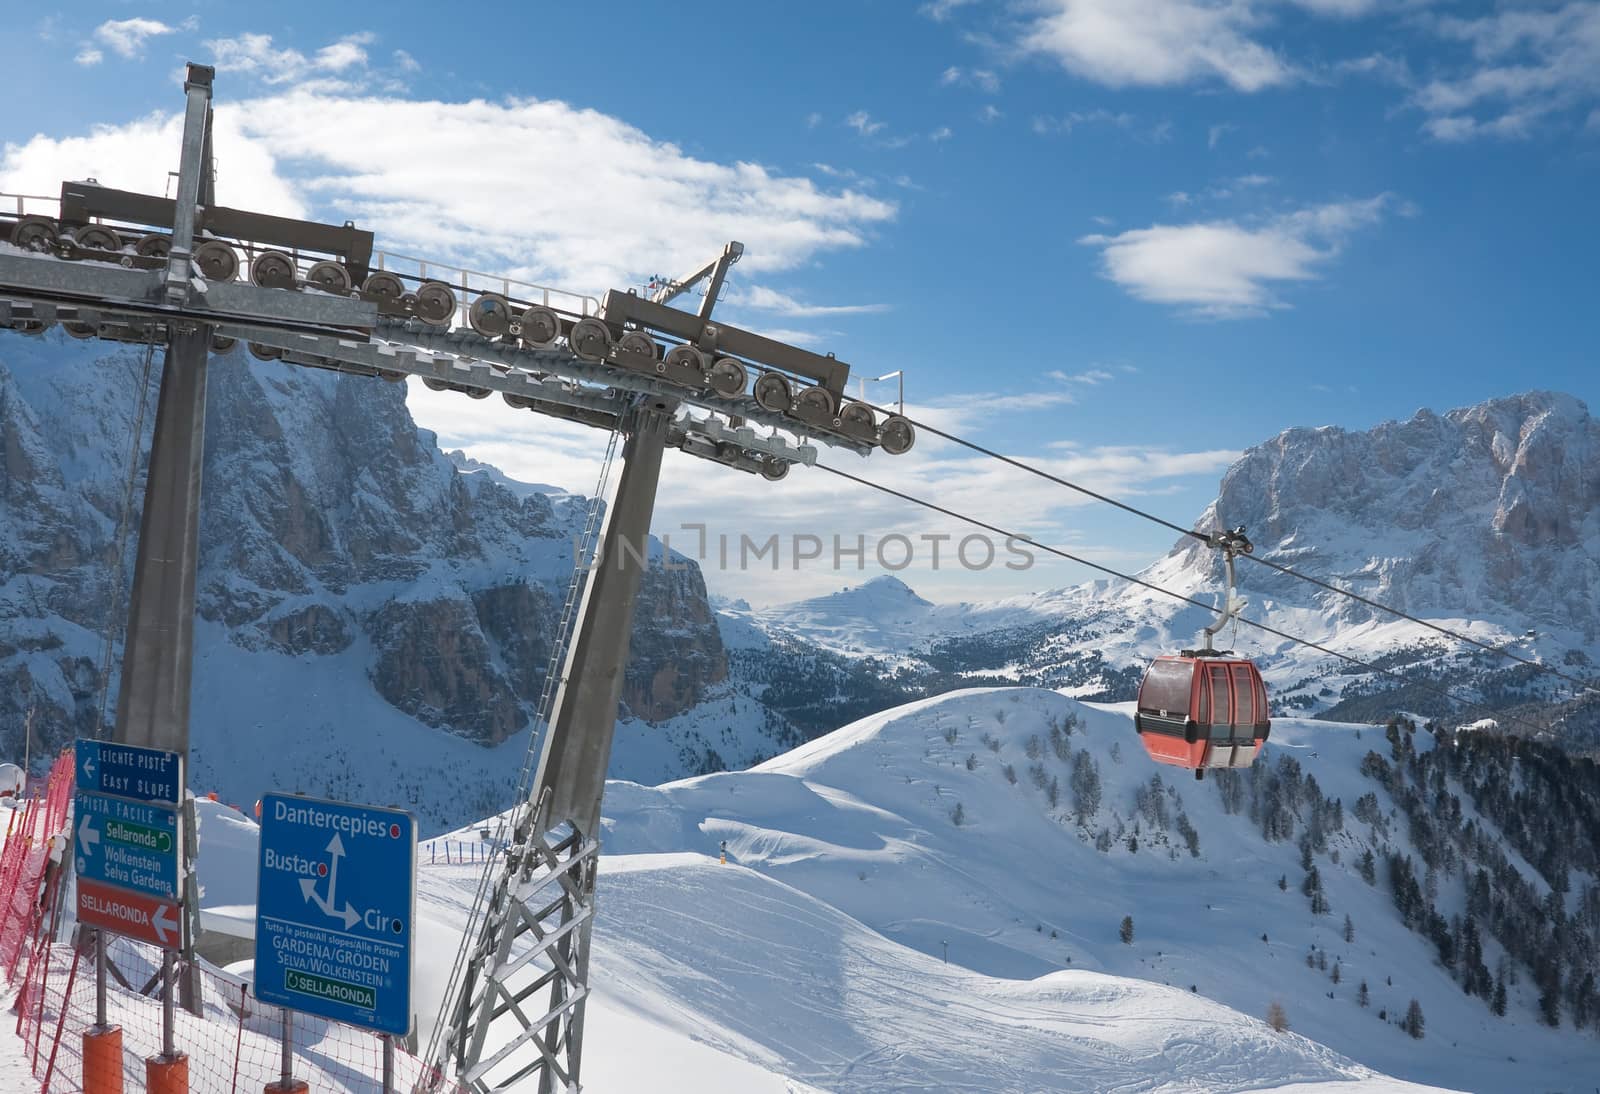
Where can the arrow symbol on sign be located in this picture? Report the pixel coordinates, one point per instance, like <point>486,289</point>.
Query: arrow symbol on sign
<point>308,888</point>
<point>87,836</point>
<point>88,767</point>
<point>163,924</point>
<point>336,849</point>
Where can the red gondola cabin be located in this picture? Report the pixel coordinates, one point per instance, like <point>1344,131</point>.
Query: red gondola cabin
<point>1200,712</point>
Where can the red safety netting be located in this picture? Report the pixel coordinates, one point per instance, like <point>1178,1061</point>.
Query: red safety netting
<point>24,904</point>
<point>233,1044</point>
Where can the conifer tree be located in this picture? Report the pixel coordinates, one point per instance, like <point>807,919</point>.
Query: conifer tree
<point>1412,1023</point>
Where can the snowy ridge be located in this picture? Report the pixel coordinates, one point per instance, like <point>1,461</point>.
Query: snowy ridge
<point>865,821</point>
<point>813,961</point>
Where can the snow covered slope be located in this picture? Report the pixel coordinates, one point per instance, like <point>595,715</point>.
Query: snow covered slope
<point>909,823</point>
<point>1014,829</point>
<point>724,979</point>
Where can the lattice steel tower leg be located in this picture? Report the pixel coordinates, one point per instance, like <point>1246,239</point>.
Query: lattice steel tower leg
<point>158,655</point>
<point>518,1015</point>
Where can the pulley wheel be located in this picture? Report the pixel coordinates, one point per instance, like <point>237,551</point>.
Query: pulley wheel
<point>684,365</point>
<point>772,392</point>
<point>517,402</point>
<point>814,405</point>
<point>217,260</point>
<point>540,327</point>
<point>391,376</point>
<point>774,469</point>
<point>36,234</point>
<point>436,303</point>
<point>728,377</point>
<point>490,315</point>
<point>639,347</point>
<point>272,270</point>
<point>434,384</point>
<point>96,238</point>
<point>154,246</point>
<point>222,343</point>
<point>589,339</point>
<point>383,289</point>
<point>79,329</point>
<point>330,277</point>
<point>858,418</point>
<point>896,436</point>
<point>263,353</point>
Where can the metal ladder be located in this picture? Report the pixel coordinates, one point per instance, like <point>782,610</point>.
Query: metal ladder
<point>514,819</point>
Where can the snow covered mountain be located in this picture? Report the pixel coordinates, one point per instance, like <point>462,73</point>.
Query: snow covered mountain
<point>361,595</point>
<point>996,890</point>
<point>1485,520</point>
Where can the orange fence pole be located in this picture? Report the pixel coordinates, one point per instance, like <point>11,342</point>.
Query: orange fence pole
<point>166,1074</point>
<point>102,1060</point>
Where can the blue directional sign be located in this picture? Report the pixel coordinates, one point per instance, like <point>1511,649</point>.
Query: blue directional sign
<point>335,899</point>
<point>129,771</point>
<point>132,845</point>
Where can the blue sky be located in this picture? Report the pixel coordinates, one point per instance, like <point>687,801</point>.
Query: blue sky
<point>1126,237</point>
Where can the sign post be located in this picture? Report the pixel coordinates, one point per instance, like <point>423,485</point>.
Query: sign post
<point>335,900</point>
<point>127,848</point>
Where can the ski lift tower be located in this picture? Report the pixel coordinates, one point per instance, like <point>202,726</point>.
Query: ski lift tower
<point>135,268</point>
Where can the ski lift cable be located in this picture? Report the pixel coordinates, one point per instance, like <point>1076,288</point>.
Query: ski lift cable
<point>1246,620</point>
<point>1033,469</point>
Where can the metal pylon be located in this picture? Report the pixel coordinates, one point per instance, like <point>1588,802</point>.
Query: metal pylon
<point>515,1018</point>
<point>158,654</point>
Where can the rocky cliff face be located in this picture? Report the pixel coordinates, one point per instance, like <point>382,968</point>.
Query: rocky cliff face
<point>1488,512</point>
<point>336,541</point>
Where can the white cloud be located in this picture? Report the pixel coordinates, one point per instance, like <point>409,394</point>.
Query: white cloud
<point>1045,124</point>
<point>1215,134</point>
<point>488,185</point>
<point>990,114</point>
<point>1345,8</point>
<point>405,62</point>
<point>1528,65</point>
<point>1155,43</point>
<point>981,78</point>
<point>940,10</point>
<point>343,54</point>
<point>340,66</point>
<point>761,298</point>
<point>126,37</point>
<point>862,123</point>
<point>88,56</point>
<point>1091,376</point>
<point>813,120</point>
<point>138,155</point>
<point>943,133</point>
<point>1224,269</point>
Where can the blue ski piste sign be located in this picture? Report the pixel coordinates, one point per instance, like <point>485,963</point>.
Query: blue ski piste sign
<point>125,839</point>
<point>130,844</point>
<point>335,900</point>
<point>129,771</point>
